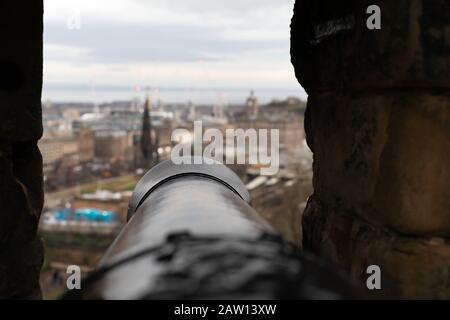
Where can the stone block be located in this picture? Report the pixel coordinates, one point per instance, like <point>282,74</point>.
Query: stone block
<point>385,157</point>
<point>332,48</point>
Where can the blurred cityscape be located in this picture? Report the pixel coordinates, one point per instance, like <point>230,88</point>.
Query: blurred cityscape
<point>94,154</point>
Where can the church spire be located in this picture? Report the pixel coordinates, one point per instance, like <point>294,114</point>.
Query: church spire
<point>147,143</point>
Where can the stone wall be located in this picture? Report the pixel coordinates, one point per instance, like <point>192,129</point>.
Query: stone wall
<point>378,122</point>
<point>21,192</point>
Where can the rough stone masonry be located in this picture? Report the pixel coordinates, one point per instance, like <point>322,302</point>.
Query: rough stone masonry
<point>21,192</point>
<point>378,122</point>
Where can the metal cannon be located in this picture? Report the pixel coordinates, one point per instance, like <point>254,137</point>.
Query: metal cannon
<point>192,234</point>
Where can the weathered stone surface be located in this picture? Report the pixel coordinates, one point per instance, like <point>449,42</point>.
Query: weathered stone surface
<point>411,267</point>
<point>21,70</point>
<point>21,200</point>
<point>378,146</point>
<point>20,266</point>
<point>378,122</point>
<point>21,190</point>
<point>412,49</point>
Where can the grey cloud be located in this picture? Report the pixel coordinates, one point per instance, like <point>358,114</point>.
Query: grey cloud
<point>118,42</point>
<point>227,7</point>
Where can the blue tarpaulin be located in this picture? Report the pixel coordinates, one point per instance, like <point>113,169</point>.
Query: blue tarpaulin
<point>94,215</point>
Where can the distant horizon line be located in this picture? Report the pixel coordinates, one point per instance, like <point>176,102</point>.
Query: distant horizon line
<point>85,102</point>
<point>144,88</point>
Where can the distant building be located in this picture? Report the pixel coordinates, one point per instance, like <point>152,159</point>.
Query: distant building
<point>66,149</point>
<point>192,116</point>
<point>252,105</point>
<point>286,116</point>
<point>56,146</point>
<point>71,114</point>
<point>113,146</point>
<point>86,145</point>
<point>290,128</point>
<point>51,150</point>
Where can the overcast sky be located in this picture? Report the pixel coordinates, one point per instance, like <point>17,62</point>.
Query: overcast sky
<point>205,43</point>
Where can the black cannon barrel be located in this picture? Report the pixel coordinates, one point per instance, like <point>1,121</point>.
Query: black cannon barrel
<point>199,199</point>
<point>192,234</point>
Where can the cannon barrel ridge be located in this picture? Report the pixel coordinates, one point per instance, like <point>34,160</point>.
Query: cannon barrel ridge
<point>167,170</point>
<point>192,234</point>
